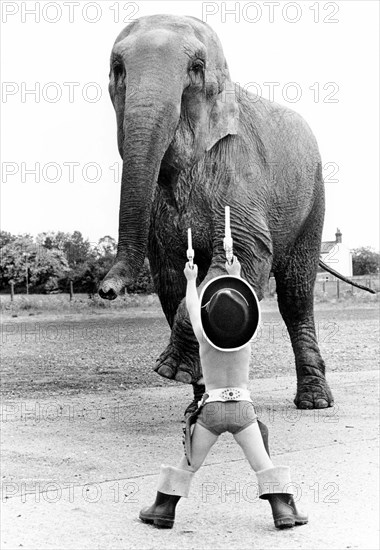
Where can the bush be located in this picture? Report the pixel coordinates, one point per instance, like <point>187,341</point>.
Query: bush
<point>365,261</point>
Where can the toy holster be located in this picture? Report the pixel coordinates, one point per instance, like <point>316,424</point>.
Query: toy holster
<point>188,428</point>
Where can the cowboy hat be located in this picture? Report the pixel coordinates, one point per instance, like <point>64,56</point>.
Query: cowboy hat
<point>230,312</point>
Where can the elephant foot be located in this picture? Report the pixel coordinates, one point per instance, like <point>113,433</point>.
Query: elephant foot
<point>172,365</point>
<point>313,393</point>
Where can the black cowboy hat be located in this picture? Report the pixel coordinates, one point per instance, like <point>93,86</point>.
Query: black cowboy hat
<point>230,312</point>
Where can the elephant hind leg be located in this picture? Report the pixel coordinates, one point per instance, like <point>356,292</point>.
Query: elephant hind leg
<point>295,294</point>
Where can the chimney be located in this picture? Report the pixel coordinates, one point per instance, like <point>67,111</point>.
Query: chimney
<point>338,236</point>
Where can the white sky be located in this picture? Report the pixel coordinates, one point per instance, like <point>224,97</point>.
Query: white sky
<point>339,60</point>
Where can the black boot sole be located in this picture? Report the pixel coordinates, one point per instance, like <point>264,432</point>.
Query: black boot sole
<point>161,522</point>
<point>288,522</point>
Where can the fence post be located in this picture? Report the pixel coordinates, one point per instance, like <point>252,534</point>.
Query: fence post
<point>12,290</point>
<point>71,291</point>
<point>337,289</point>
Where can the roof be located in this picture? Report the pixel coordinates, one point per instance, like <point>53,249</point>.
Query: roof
<point>327,246</point>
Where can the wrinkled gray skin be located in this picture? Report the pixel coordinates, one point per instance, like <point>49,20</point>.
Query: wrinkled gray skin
<point>191,143</point>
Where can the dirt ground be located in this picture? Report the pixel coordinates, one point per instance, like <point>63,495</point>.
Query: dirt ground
<point>86,424</point>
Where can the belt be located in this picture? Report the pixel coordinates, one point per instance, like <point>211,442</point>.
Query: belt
<point>225,394</point>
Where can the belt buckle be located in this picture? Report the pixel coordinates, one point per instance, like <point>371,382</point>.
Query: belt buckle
<point>230,394</point>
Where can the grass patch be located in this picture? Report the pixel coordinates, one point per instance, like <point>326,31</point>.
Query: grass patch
<point>34,304</point>
<point>346,297</point>
<point>37,304</point>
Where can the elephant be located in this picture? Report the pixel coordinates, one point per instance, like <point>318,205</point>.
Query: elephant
<point>193,142</point>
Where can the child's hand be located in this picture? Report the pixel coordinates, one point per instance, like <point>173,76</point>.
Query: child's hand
<point>234,268</point>
<point>191,272</point>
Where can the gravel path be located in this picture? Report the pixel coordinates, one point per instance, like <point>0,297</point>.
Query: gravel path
<point>82,443</point>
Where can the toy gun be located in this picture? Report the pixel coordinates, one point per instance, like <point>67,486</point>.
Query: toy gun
<point>190,251</point>
<point>227,241</point>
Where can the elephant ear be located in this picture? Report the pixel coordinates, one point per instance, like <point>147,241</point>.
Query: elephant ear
<point>224,116</point>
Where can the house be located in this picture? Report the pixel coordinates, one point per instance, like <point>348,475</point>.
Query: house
<point>337,256</point>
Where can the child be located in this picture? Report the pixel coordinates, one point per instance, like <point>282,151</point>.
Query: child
<point>224,319</point>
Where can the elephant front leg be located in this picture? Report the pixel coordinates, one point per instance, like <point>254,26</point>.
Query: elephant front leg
<point>180,360</point>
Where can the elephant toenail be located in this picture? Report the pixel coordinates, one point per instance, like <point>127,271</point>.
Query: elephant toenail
<point>305,405</point>
<point>184,377</point>
<point>321,404</point>
<point>166,371</point>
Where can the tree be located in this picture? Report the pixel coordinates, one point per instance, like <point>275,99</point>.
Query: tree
<point>87,274</point>
<point>365,261</point>
<point>107,246</point>
<point>24,261</point>
<point>55,258</point>
<point>6,238</point>
<point>48,270</point>
<point>78,253</point>
<point>77,249</point>
<point>13,259</point>
<point>53,239</point>
<point>73,245</point>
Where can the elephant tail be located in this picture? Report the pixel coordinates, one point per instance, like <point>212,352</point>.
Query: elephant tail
<point>343,278</point>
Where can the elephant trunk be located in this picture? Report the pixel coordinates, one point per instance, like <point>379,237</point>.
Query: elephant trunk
<point>148,129</point>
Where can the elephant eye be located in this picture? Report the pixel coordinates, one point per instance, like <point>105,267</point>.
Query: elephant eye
<point>198,66</point>
<point>118,70</point>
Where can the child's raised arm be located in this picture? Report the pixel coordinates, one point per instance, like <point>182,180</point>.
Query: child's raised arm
<point>192,300</point>
<point>235,268</point>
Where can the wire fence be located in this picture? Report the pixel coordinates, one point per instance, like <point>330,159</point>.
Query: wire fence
<point>332,287</point>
